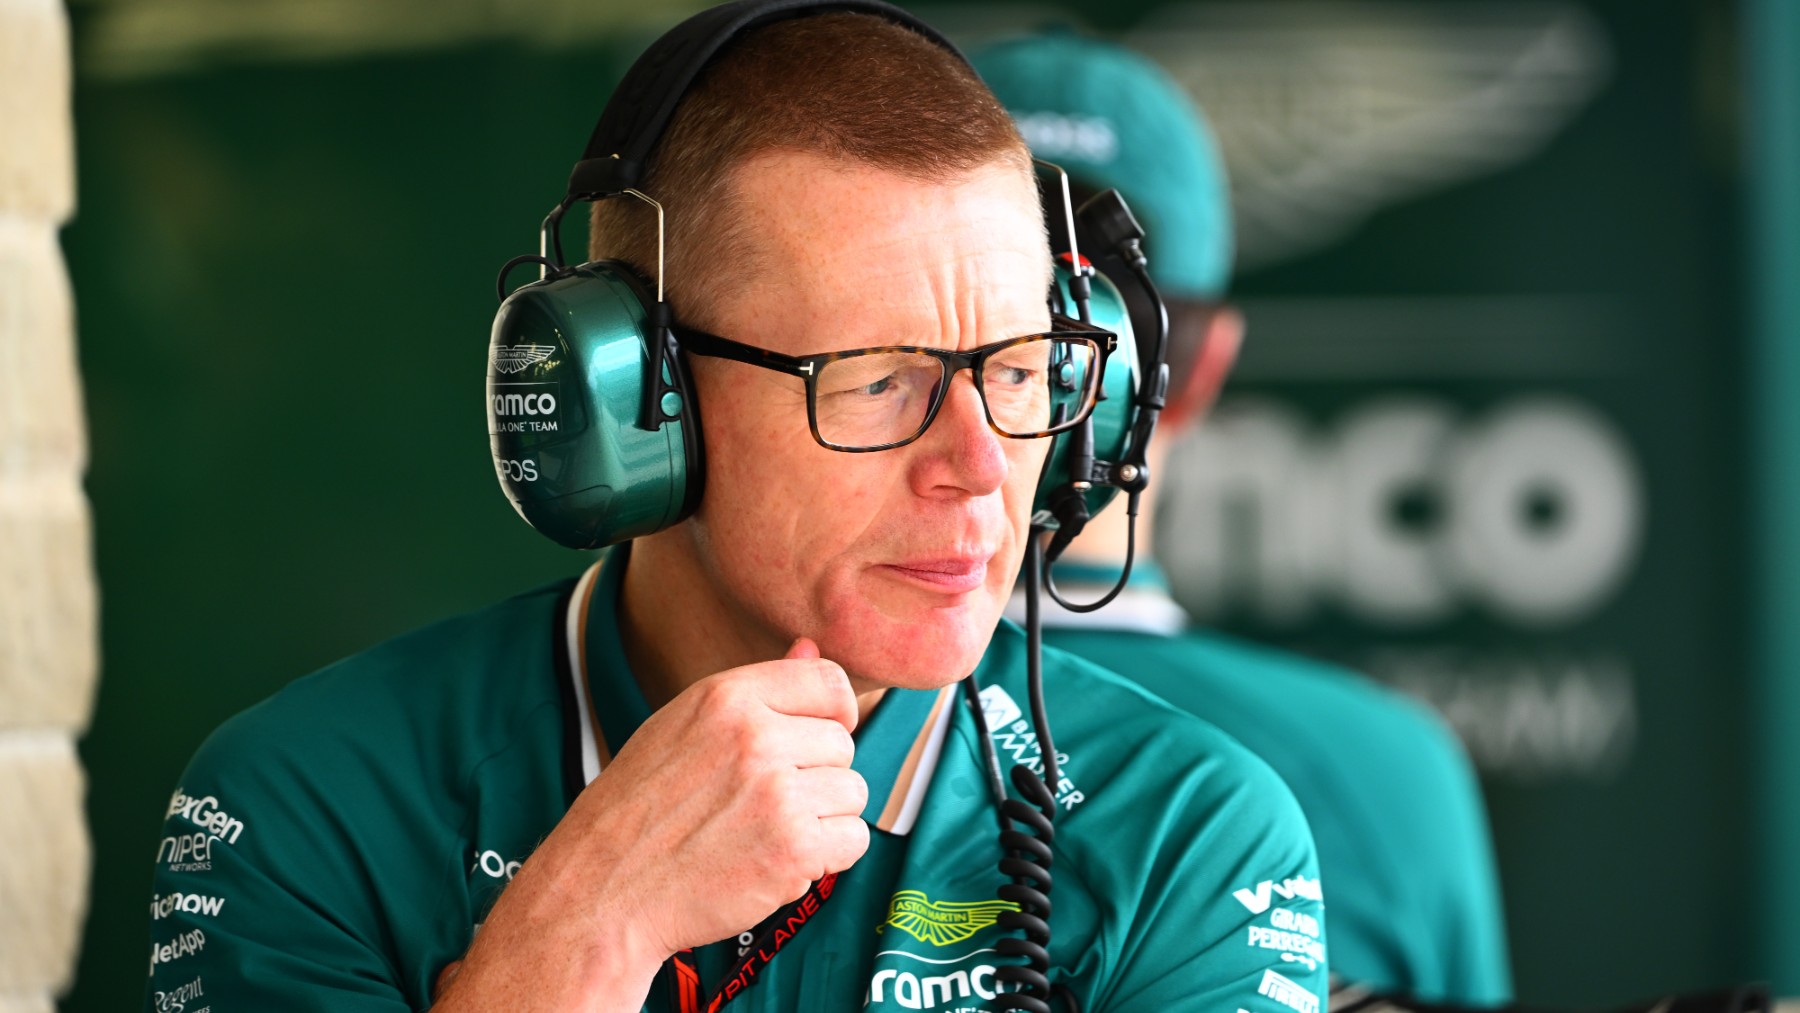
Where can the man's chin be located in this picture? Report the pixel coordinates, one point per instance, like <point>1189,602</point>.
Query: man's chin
<point>927,653</point>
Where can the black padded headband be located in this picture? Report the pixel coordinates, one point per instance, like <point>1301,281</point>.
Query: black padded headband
<point>640,109</point>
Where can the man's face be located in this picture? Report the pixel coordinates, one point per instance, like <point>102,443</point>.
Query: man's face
<point>897,562</point>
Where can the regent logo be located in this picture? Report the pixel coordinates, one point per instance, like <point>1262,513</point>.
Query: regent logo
<point>941,923</point>
<point>185,903</point>
<point>1258,900</point>
<point>176,1000</point>
<point>934,986</point>
<point>205,813</point>
<point>185,945</point>
<point>514,358</point>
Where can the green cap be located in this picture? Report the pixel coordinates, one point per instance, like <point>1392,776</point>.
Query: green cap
<point>1112,118</point>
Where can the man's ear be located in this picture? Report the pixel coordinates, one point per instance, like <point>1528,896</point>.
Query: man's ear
<point>1189,402</point>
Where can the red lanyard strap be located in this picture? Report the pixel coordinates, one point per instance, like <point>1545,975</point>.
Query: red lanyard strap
<point>775,932</point>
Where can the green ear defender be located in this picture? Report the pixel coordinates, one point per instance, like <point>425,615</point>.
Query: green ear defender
<point>591,419</point>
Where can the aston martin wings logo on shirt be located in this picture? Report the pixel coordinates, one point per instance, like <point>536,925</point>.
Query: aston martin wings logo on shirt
<point>513,358</point>
<point>941,923</point>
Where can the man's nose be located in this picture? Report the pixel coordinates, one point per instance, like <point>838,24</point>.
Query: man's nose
<point>963,451</point>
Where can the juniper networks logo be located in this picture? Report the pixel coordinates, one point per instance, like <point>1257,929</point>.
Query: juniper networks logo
<point>514,358</point>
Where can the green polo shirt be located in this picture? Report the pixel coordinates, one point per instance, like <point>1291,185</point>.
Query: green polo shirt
<point>1391,797</point>
<point>334,847</point>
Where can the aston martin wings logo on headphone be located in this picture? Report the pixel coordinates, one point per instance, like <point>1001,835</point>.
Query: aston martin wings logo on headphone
<point>941,923</point>
<point>513,358</point>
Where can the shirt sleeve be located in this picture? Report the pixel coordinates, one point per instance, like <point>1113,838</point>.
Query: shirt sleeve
<point>1233,916</point>
<point>249,908</point>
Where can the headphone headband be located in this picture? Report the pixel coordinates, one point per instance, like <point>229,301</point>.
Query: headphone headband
<point>635,118</point>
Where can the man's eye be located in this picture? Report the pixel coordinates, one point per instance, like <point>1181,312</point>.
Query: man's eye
<point>1011,376</point>
<point>880,386</point>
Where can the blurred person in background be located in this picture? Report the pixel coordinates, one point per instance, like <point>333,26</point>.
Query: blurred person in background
<point>1396,811</point>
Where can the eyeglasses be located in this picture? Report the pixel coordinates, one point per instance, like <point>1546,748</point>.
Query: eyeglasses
<point>868,399</point>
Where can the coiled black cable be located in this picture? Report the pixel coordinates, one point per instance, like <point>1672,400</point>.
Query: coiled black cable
<point>1027,829</point>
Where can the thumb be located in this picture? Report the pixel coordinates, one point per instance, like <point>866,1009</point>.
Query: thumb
<point>802,648</point>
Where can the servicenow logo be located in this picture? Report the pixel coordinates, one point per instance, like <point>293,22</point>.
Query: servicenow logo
<point>165,905</point>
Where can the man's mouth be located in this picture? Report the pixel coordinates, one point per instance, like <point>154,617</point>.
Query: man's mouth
<point>948,574</point>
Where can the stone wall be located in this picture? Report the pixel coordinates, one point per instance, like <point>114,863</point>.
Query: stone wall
<point>47,594</point>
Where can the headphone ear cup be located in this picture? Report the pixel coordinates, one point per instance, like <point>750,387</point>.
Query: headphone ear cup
<point>573,365</point>
<point>1114,414</point>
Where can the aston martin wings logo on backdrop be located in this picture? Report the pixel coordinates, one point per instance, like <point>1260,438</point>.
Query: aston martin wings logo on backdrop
<point>513,358</point>
<point>1328,112</point>
<point>942,923</point>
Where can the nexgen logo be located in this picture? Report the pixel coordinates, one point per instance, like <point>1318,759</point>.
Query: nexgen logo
<point>204,812</point>
<point>1298,886</point>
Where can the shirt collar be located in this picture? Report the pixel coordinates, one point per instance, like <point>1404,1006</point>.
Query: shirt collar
<point>1145,605</point>
<point>897,748</point>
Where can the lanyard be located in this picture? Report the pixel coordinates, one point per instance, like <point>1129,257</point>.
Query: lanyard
<point>776,931</point>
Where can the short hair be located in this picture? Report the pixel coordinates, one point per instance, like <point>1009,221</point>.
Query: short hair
<point>856,87</point>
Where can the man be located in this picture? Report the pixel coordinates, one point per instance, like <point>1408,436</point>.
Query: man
<point>1389,794</point>
<point>593,796</point>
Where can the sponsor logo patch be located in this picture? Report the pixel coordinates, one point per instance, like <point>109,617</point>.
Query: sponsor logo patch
<point>1288,992</point>
<point>204,812</point>
<point>1294,947</point>
<point>1258,899</point>
<point>523,407</point>
<point>176,1000</point>
<point>165,905</point>
<point>514,358</point>
<point>495,867</point>
<point>942,923</point>
<point>185,945</point>
<point>1014,738</point>
<point>186,852</point>
<point>934,986</point>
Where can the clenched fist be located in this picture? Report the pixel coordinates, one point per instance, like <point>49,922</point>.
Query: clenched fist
<point>727,803</point>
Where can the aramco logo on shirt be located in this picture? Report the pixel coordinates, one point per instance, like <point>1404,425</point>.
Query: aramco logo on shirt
<point>942,923</point>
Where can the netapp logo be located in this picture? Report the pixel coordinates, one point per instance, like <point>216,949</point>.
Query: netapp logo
<point>204,812</point>
<point>185,945</point>
<point>514,358</point>
<point>185,903</point>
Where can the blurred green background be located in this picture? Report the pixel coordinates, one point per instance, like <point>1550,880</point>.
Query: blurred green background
<point>1454,214</point>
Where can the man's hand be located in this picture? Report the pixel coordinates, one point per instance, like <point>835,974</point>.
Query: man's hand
<point>727,803</point>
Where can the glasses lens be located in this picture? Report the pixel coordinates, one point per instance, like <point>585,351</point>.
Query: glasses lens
<point>1040,386</point>
<point>875,399</point>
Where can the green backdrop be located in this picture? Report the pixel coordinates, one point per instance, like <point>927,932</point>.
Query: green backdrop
<point>284,264</point>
